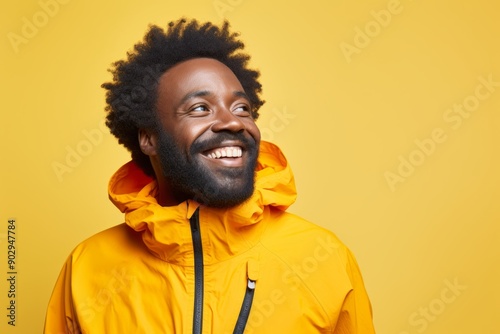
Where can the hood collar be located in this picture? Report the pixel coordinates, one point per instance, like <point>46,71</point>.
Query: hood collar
<point>166,230</point>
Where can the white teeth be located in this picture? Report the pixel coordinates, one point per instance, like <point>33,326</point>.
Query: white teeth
<point>226,152</point>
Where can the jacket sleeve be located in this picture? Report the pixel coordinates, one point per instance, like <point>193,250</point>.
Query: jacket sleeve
<point>61,317</point>
<point>356,313</point>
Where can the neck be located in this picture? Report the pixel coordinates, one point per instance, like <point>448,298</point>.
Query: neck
<point>166,197</point>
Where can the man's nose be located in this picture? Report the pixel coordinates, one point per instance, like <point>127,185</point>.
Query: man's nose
<point>226,120</point>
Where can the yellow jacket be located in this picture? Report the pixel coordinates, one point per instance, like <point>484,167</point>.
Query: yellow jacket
<point>139,277</point>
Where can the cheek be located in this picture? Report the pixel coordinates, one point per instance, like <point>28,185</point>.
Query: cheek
<point>187,135</point>
<point>254,131</point>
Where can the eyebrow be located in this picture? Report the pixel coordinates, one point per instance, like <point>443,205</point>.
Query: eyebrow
<point>241,94</point>
<point>198,93</point>
<point>202,93</point>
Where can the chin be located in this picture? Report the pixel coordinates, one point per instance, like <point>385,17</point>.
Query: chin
<point>218,197</point>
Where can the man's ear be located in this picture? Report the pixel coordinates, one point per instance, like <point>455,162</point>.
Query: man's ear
<point>147,142</point>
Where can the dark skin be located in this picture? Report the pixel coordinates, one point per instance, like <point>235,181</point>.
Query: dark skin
<point>199,99</point>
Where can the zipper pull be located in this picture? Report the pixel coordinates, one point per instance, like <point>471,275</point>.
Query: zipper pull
<point>252,273</point>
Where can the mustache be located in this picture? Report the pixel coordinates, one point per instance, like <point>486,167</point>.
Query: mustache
<point>203,145</point>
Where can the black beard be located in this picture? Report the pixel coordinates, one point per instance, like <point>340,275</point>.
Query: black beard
<point>188,178</point>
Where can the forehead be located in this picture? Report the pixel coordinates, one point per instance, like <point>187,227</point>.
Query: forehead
<point>196,74</point>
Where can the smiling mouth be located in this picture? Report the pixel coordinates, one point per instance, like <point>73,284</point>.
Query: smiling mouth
<point>225,152</point>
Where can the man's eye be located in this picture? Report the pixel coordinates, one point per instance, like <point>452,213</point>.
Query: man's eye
<point>242,110</point>
<point>199,108</point>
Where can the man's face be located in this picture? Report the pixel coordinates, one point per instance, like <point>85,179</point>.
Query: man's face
<point>207,139</point>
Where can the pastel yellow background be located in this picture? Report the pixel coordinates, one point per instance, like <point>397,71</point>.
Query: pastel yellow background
<point>350,92</point>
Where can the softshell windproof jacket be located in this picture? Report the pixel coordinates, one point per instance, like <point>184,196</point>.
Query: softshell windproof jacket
<point>190,268</point>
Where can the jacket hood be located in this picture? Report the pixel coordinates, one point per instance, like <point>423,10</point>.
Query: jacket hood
<point>164,228</point>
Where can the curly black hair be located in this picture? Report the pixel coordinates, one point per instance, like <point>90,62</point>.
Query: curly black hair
<point>131,96</point>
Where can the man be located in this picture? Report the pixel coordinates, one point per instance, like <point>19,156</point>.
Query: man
<point>207,246</point>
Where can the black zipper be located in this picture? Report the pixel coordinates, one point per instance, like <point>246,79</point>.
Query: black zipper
<point>198,284</point>
<point>245,308</point>
<point>198,273</point>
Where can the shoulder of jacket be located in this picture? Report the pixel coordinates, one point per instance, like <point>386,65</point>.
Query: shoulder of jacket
<point>286,224</point>
<point>296,237</point>
<point>116,241</point>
